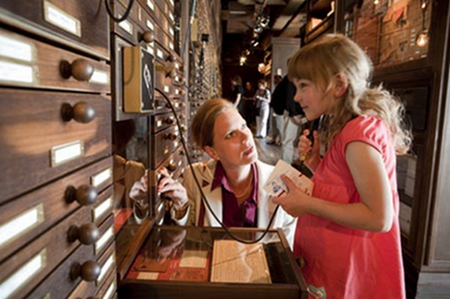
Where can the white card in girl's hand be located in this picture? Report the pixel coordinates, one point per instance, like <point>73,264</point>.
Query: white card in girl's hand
<point>275,185</point>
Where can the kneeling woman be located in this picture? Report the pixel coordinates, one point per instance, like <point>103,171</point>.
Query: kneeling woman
<point>231,181</point>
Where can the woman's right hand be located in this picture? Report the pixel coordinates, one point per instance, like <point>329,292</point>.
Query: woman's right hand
<point>308,151</point>
<point>139,190</point>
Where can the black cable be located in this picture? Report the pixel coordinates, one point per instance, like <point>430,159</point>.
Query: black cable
<point>203,197</point>
<point>125,15</point>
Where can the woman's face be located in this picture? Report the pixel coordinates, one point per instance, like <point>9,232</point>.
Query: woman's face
<point>233,140</point>
<point>311,98</point>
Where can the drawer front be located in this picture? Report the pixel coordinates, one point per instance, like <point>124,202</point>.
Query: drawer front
<point>59,284</point>
<point>28,62</point>
<point>78,21</point>
<point>163,121</point>
<point>36,140</point>
<point>40,209</point>
<point>41,256</point>
<point>163,144</point>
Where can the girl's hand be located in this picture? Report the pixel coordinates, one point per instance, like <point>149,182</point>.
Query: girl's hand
<point>308,151</point>
<point>295,202</point>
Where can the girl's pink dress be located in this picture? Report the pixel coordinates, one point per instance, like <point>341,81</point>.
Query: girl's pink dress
<point>351,263</point>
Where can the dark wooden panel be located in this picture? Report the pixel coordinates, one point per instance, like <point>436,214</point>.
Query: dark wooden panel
<point>91,16</point>
<point>31,125</point>
<point>47,62</point>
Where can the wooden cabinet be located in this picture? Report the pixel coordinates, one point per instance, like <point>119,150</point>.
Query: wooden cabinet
<point>55,147</point>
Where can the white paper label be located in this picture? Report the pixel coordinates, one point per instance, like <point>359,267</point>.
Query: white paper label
<point>102,208</point>
<point>24,274</point>
<point>21,224</point>
<point>61,19</point>
<point>100,77</point>
<point>14,72</point>
<point>159,53</point>
<point>171,46</point>
<point>166,88</point>
<point>171,31</point>
<point>101,177</point>
<point>127,26</point>
<point>108,264</point>
<point>110,292</point>
<point>150,25</point>
<point>158,123</point>
<point>63,153</point>
<point>150,4</point>
<point>15,49</point>
<point>104,239</point>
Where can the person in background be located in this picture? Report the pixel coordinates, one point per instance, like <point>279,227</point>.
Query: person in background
<point>294,119</point>
<point>348,229</point>
<point>262,97</point>
<point>232,181</point>
<point>277,105</point>
<point>236,93</point>
<point>248,99</point>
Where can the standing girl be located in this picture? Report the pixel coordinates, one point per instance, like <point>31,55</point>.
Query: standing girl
<point>348,229</point>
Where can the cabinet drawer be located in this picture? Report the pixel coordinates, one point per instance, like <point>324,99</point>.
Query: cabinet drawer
<point>59,284</point>
<point>40,209</point>
<point>83,22</point>
<point>37,145</point>
<point>41,256</point>
<point>163,144</point>
<point>163,121</point>
<point>28,62</point>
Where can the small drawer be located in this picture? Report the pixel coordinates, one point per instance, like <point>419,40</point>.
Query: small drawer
<point>41,256</point>
<point>107,264</point>
<point>163,144</point>
<point>28,62</point>
<point>163,121</point>
<point>79,22</point>
<point>62,281</point>
<point>40,142</point>
<point>27,217</point>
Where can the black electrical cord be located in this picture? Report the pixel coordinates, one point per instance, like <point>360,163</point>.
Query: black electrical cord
<point>125,15</point>
<point>203,197</point>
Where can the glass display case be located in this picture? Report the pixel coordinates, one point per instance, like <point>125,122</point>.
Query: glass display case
<point>197,262</point>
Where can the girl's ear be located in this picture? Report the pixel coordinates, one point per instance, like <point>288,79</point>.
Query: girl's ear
<point>340,85</point>
<point>211,152</point>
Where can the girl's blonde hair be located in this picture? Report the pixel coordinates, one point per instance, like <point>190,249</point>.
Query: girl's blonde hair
<point>335,54</point>
<point>202,127</point>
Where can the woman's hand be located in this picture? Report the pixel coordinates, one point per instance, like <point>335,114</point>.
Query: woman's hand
<point>308,151</point>
<point>139,190</point>
<point>170,188</point>
<point>296,202</point>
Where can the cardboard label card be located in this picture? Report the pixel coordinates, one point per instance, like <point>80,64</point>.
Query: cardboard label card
<point>275,185</point>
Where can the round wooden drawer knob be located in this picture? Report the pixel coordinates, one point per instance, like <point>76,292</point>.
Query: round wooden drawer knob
<point>169,120</point>
<point>89,271</point>
<point>81,112</point>
<point>171,167</point>
<point>148,37</point>
<point>85,195</point>
<point>171,136</point>
<point>80,69</point>
<point>87,234</point>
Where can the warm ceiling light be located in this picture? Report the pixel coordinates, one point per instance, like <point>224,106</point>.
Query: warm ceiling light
<point>376,2</point>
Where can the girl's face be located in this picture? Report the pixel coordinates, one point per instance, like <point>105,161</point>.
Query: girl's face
<point>311,98</point>
<point>233,141</point>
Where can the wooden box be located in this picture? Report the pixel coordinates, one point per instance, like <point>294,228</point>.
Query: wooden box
<point>187,261</point>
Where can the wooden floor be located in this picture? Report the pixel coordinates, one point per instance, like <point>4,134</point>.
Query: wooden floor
<point>268,153</point>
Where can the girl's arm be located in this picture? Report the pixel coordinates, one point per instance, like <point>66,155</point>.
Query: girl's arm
<point>374,213</point>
